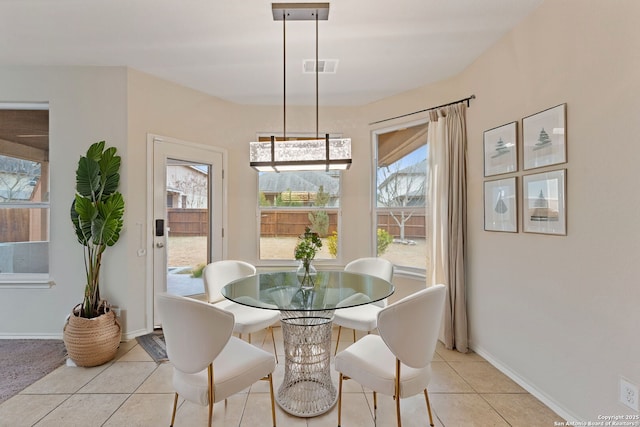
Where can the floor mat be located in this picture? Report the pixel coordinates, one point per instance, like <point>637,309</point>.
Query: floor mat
<point>154,345</point>
<point>25,361</point>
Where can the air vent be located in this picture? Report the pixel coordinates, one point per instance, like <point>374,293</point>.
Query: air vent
<point>325,66</point>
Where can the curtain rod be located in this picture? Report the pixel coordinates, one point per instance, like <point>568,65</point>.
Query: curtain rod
<point>426,109</point>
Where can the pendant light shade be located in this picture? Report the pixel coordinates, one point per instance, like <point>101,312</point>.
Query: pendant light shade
<point>312,154</point>
<point>297,155</point>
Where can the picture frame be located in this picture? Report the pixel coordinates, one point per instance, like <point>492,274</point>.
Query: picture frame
<point>544,138</point>
<point>544,202</point>
<point>501,149</point>
<point>500,205</point>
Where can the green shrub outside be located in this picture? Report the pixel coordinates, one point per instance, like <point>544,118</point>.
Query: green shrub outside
<point>384,240</point>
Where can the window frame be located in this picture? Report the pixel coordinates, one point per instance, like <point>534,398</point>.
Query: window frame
<point>405,270</point>
<point>31,280</point>
<point>286,262</point>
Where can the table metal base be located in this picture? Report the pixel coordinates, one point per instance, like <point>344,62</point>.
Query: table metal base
<point>307,389</point>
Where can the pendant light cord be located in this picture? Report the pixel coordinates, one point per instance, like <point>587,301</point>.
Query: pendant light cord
<point>317,90</point>
<point>284,77</point>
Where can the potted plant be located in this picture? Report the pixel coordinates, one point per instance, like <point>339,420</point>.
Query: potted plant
<point>305,252</point>
<point>92,332</point>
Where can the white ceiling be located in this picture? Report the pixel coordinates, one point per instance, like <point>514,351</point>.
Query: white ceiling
<point>232,49</point>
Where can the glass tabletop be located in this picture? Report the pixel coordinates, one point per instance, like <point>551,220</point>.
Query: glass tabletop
<point>332,290</point>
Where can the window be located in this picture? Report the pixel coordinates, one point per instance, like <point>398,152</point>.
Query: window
<point>290,201</point>
<point>401,197</point>
<point>24,189</point>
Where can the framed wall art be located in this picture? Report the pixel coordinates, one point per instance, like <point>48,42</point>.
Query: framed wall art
<point>500,205</point>
<point>544,138</point>
<point>500,149</point>
<point>544,203</point>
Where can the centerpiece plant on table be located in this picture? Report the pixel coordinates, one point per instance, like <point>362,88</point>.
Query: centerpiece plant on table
<point>305,252</point>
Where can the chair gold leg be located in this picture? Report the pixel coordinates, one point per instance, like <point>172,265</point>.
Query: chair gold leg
<point>211,391</point>
<point>397,393</point>
<point>273,339</point>
<point>354,335</point>
<point>426,398</point>
<point>175,406</point>
<point>338,340</point>
<point>375,401</point>
<point>273,404</point>
<point>249,339</point>
<point>340,401</point>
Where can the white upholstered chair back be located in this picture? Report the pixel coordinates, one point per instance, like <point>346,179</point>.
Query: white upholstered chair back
<point>410,327</point>
<point>372,266</point>
<point>195,332</point>
<point>219,273</point>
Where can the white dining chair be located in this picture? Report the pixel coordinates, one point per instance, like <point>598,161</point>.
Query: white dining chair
<point>248,319</point>
<point>209,364</point>
<point>397,362</point>
<point>363,317</point>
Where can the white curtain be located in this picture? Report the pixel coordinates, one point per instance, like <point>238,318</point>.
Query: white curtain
<point>447,139</point>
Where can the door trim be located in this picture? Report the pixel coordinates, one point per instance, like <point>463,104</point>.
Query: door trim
<point>151,138</point>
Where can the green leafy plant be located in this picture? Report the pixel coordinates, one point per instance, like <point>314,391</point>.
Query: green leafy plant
<point>319,222</point>
<point>97,213</point>
<point>384,240</point>
<point>263,200</point>
<point>307,247</point>
<point>322,197</point>
<point>332,244</point>
<point>197,270</point>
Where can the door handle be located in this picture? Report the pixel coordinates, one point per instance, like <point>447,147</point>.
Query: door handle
<point>160,245</point>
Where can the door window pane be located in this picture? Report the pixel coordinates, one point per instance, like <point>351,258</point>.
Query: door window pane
<point>188,226</point>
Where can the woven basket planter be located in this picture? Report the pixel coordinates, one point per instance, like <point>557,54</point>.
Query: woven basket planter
<point>92,342</point>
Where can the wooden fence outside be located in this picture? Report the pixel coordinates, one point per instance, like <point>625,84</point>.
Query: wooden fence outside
<point>285,223</point>
<point>15,225</point>
<point>188,222</point>
<point>414,228</point>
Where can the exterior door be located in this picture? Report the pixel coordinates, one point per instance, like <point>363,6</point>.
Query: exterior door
<point>187,223</point>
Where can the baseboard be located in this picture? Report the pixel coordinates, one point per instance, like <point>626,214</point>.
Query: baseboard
<point>58,335</point>
<point>12,336</point>
<point>540,395</point>
<point>130,335</point>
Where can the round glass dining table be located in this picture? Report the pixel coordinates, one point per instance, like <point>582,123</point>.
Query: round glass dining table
<point>306,315</point>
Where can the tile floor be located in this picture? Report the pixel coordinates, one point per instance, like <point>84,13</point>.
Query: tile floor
<point>135,391</point>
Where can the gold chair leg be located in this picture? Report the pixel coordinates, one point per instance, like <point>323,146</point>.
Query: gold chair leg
<point>211,392</point>
<point>375,402</point>
<point>273,339</point>
<point>249,339</point>
<point>338,340</point>
<point>340,401</point>
<point>397,393</point>
<point>354,335</point>
<point>426,398</point>
<point>175,406</point>
<point>273,403</point>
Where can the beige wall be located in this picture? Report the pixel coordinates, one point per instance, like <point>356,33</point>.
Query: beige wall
<point>562,312</point>
<point>559,314</point>
<point>87,104</point>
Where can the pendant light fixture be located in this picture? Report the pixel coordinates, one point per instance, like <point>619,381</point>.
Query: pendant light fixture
<point>297,155</point>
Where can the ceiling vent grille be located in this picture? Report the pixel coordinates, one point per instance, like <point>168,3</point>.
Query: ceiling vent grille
<point>325,66</point>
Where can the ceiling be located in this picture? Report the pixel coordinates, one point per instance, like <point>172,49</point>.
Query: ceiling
<point>233,49</point>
